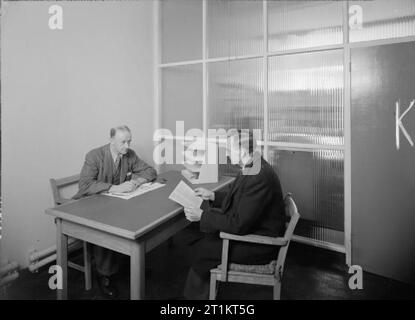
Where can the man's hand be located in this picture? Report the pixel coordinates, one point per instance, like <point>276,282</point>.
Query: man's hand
<point>205,194</point>
<point>125,187</point>
<point>193,214</point>
<point>139,181</point>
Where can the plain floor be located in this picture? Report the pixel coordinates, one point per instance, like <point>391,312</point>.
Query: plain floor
<point>310,273</point>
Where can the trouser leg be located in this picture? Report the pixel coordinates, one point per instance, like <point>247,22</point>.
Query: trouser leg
<point>106,261</point>
<point>196,288</point>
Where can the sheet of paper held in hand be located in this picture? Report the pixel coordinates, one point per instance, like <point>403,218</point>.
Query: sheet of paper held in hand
<point>145,187</point>
<point>185,196</point>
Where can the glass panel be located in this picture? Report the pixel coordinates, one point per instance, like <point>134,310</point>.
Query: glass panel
<point>381,19</point>
<point>182,98</point>
<point>181,30</point>
<point>315,179</point>
<point>305,98</point>
<point>235,94</point>
<point>234,27</point>
<point>304,24</point>
<point>235,97</point>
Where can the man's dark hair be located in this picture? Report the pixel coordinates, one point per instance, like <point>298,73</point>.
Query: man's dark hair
<point>246,139</point>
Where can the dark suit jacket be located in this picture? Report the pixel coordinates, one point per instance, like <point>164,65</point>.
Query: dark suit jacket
<point>254,204</point>
<point>97,171</point>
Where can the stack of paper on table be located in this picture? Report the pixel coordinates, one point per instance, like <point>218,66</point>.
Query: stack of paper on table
<point>185,196</point>
<point>145,187</point>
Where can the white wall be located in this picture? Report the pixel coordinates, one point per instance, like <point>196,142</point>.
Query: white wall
<point>62,90</point>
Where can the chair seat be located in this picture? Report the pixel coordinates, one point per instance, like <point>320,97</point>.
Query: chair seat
<point>253,268</point>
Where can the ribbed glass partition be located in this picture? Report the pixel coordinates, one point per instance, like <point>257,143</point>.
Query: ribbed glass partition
<point>315,180</point>
<point>236,94</point>
<point>305,98</point>
<point>234,28</point>
<point>304,24</point>
<point>381,19</point>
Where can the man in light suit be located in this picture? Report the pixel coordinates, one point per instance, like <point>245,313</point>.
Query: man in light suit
<point>254,204</point>
<point>115,168</point>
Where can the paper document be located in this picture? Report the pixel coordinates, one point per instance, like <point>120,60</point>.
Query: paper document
<point>185,196</point>
<point>145,187</point>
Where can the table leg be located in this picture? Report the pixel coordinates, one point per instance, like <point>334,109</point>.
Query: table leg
<point>137,262</point>
<point>87,265</point>
<point>62,259</point>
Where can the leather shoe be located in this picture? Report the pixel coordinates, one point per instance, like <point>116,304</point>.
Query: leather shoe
<point>107,287</point>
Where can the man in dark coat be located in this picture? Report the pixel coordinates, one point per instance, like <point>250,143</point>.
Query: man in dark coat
<point>115,168</point>
<point>253,205</point>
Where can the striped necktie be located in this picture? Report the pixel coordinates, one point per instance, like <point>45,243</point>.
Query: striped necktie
<point>117,165</point>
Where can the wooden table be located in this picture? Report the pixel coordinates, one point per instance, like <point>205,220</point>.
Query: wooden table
<point>132,227</point>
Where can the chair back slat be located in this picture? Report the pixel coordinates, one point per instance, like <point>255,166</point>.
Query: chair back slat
<point>57,184</point>
<point>291,211</point>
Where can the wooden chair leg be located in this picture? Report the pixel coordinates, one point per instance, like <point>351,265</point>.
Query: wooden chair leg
<point>277,290</point>
<point>87,265</point>
<point>212,291</point>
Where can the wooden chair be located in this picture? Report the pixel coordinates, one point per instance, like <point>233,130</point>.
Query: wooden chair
<point>56,185</point>
<point>270,274</point>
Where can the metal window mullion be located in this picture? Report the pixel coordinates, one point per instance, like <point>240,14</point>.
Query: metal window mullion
<point>319,243</point>
<point>303,146</point>
<point>379,42</point>
<point>305,50</point>
<point>157,71</point>
<point>347,134</point>
<point>265,75</point>
<point>180,63</point>
<point>204,67</point>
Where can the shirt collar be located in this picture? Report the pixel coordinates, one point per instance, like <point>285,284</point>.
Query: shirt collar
<point>251,168</point>
<point>115,155</point>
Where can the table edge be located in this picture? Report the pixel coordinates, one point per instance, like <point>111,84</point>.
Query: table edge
<point>119,231</point>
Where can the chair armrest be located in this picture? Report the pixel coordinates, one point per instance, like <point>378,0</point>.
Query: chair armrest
<point>254,238</point>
